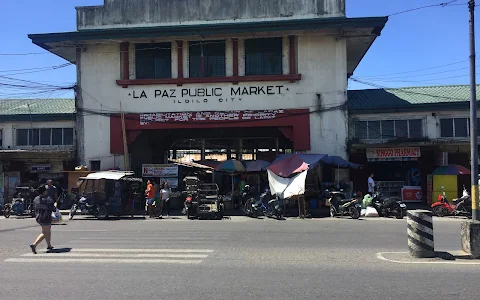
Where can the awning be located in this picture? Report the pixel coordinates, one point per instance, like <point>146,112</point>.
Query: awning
<point>111,175</point>
<point>190,164</point>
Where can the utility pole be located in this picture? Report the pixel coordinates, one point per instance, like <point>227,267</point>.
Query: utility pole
<point>473,115</point>
<point>125,144</point>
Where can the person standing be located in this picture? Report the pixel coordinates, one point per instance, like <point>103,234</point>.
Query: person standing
<point>44,206</point>
<point>165,198</point>
<point>157,201</point>
<point>150,193</point>
<point>52,192</point>
<point>371,185</point>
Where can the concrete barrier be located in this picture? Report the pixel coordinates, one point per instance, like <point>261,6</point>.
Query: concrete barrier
<point>420,234</point>
<point>470,234</point>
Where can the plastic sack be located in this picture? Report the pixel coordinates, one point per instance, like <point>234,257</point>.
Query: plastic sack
<point>371,212</point>
<point>57,216</point>
<point>367,201</point>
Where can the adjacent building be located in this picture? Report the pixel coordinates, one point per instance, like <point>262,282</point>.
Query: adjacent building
<point>225,77</point>
<point>402,135</point>
<point>37,141</point>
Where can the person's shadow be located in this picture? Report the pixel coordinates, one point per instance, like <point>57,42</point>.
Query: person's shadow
<point>59,250</point>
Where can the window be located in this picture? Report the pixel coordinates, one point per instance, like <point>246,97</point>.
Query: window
<point>22,137</point>
<point>389,129</point>
<point>456,127</point>
<point>94,165</point>
<point>207,59</point>
<point>44,137</point>
<point>153,61</point>
<point>263,56</point>
<point>56,136</point>
<point>68,136</point>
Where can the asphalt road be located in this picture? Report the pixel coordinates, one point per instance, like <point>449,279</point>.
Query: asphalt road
<point>230,259</point>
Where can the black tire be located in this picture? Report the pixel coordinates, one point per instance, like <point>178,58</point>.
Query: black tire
<point>7,211</point>
<point>354,213</point>
<point>102,212</point>
<point>398,212</point>
<point>73,211</point>
<point>332,211</point>
<point>439,211</point>
<point>31,210</point>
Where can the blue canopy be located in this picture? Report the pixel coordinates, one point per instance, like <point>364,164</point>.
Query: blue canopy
<point>313,160</point>
<point>340,162</point>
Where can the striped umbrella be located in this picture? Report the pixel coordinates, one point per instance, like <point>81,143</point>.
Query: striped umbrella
<point>230,166</point>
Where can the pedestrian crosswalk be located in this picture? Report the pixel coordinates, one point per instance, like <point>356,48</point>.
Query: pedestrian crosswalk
<point>113,255</point>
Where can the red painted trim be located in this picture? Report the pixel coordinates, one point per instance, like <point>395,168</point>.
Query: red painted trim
<point>179,59</point>
<point>235,56</point>
<point>292,64</point>
<point>297,119</point>
<point>124,48</point>
<point>233,79</point>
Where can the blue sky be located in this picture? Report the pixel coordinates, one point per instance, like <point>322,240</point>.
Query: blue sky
<point>412,41</point>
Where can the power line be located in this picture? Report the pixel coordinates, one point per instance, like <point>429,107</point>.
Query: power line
<point>424,80</point>
<point>411,76</point>
<point>444,4</point>
<point>406,90</point>
<point>413,71</point>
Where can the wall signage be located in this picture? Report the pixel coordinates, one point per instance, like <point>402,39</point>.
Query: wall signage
<point>400,153</point>
<point>208,95</point>
<point>40,168</point>
<point>209,116</point>
<point>159,170</point>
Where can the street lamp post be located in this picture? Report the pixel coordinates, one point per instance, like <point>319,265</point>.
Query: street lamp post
<point>473,115</point>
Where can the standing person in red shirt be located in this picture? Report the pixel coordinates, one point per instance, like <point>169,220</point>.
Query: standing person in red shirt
<point>150,193</point>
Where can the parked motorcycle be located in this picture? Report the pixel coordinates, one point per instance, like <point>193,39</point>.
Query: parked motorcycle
<point>88,206</point>
<point>275,208</point>
<point>391,206</point>
<point>460,207</point>
<point>341,206</point>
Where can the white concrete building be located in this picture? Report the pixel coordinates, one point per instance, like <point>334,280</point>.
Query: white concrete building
<point>37,141</point>
<point>402,135</point>
<point>202,76</point>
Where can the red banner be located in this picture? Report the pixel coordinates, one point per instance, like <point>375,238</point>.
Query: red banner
<point>376,153</point>
<point>210,116</point>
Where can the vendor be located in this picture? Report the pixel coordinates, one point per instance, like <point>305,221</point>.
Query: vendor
<point>371,184</point>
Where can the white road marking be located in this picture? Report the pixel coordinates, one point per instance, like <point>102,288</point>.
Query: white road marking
<point>143,250</point>
<point>63,230</point>
<point>102,260</point>
<point>456,262</point>
<point>152,238</point>
<point>140,255</point>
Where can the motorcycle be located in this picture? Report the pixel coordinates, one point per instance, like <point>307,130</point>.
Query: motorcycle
<point>461,206</point>
<point>392,206</point>
<point>341,206</point>
<point>87,205</point>
<point>22,203</point>
<point>275,208</point>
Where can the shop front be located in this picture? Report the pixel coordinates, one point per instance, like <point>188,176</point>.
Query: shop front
<point>398,171</point>
<point>32,168</point>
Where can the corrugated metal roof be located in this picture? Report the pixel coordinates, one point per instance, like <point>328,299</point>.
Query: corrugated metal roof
<point>408,97</point>
<point>36,106</point>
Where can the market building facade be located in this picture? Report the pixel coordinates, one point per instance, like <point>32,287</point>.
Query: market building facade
<point>251,78</point>
<point>420,129</point>
<point>37,141</point>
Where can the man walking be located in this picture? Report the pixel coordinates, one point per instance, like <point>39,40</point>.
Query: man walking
<point>165,198</point>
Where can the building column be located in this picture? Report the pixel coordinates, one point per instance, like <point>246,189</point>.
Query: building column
<point>229,151</point>
<point>202,150</point>
<point>277,147</point>
<point>240,149</point>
